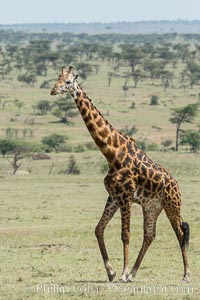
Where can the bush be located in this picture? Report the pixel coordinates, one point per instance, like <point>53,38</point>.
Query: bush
<point>42,107</point>
<point>152,147</point>
<point>45,85</point>
<point>132,105</point>
<point>53,141</point>
<point>40,156</point>
<point>104,168</point>
<point>191,138</point>
<point>91,146</point>
<point>142,145</point>
<point>166,144</point>
<point>79,148</point>
<point>65,148</point>
<point>6,146</point>
<point>154,100</point>
<point>130,131</point>
<point>72,167</point>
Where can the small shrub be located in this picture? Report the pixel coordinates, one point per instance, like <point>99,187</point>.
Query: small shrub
<point>65,148</point>
<point>166,144</point>
<point>53,141</point>
<point>42,107</point>
<point>40,156</point>
<point>45,85</point>
<point>152,147</point>
<point>104,168</point>
<point>79,148</point>
<point>132,105</point>
<point>91,146</point>
<point>6,146</point>
<point>142,145</point>
<point>72,167</point>
<point>130,131</point>
<point>154,100</point>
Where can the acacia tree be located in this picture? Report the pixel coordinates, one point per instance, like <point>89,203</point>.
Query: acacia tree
<point>191,138</point>
<point>65,109</point>
<point>20,151</point>
<point>29,79</point>
<point>53,141</point>
<point>110,76</point>
<point>182,51</point>
<point>42,107</point>
<point>137,75</point>
<point>15,162</point>
<point>192,71</point>
<point>131,54</point>
<point>155,68</point>
<point>5,68</point>
<point>84,69</point>
<point>6,146</point>
<point>181,115</point>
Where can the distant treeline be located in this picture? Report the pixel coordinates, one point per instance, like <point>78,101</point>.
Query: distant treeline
<point>142,27</point>
<point>15,37</point>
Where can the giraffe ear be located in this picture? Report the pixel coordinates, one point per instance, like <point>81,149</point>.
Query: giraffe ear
<point>64,71</point>
<point>76,76</point>
<point>70,69</point>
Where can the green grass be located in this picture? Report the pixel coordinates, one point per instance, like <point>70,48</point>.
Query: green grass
<point>47,221</point>
<point>47,235</point>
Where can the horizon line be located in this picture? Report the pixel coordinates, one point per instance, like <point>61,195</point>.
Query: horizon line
<point>101,22</point>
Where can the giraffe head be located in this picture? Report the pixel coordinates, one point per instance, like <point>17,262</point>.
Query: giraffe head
<point>66,82</point>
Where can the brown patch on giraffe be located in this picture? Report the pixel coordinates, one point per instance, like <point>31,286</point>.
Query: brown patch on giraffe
<point>83,111</point>
<point>100,144</point>
<point>99,122</point>
<point>91,127</point>
<point>155,176</point>
<point>87,104</point>
<point>109,141</point>
<point>95,115</point>
<point>128,161</point>
<point>115,140</point>
<point>110,155</point>
<point>104,133</point>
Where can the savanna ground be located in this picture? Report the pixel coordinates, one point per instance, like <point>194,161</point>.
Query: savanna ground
<point>47,220</point>
<point>48,246</point>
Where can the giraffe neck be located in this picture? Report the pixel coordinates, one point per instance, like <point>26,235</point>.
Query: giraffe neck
<point>108,139</point>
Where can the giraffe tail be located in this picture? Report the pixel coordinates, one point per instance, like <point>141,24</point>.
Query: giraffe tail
<point>186,234</point>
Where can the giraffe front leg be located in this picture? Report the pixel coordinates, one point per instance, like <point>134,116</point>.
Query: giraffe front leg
<point>109,210</point>
<point>125,236</point>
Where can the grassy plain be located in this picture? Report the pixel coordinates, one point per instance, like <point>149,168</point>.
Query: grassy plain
<point>48,248</point>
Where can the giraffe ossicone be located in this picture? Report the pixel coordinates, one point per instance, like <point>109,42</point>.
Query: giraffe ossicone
<point>132,178</point>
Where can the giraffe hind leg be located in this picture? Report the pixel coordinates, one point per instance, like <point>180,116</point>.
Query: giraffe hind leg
<point>185,243</point>
<point>182,232</point>
<point>186,234</point>
<point>150,219</point>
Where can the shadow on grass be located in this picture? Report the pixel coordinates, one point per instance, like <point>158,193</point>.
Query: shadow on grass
<point>90,281</point>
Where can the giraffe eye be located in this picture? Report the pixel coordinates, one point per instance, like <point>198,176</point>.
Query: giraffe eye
<point>68,81</point>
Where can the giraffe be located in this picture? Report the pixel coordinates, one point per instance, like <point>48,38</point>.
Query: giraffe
<point>132,178</point>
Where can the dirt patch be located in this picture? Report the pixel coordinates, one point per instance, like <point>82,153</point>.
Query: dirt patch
<point>46,246</point>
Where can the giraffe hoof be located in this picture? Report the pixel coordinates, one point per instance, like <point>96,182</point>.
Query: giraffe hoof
<point>130,278</point>
<point>186,277</point>
<point>127,278</point>
<point>111,276</point>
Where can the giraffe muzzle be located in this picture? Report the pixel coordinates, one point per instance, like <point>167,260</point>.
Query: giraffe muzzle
<point>53,92</point>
